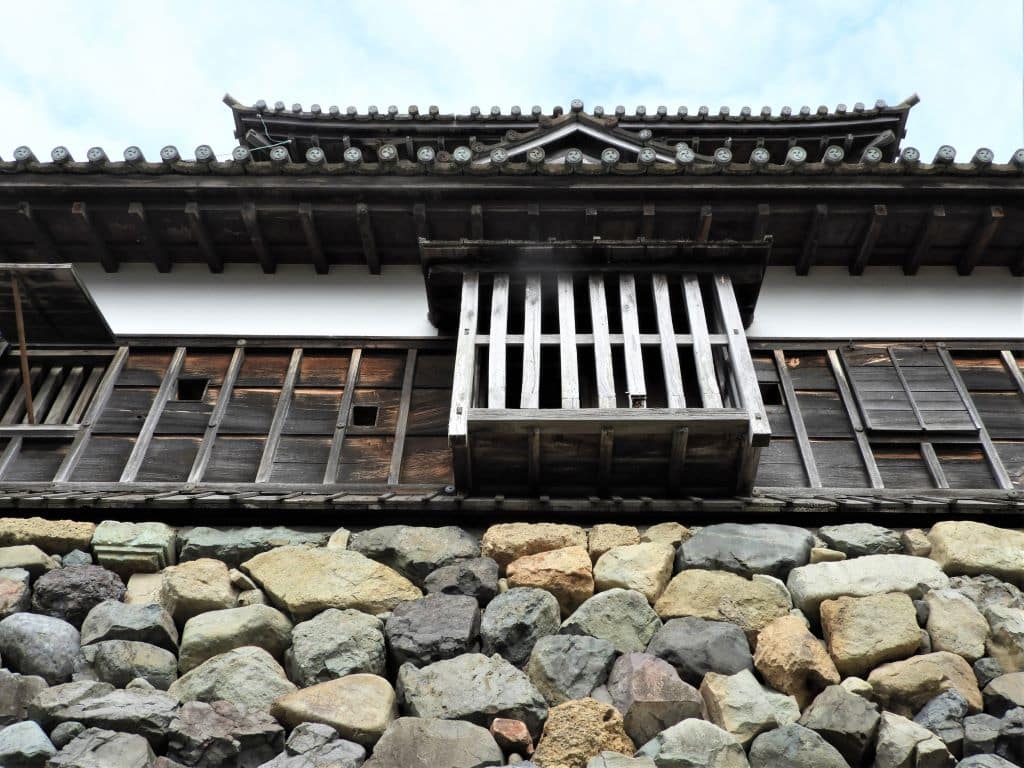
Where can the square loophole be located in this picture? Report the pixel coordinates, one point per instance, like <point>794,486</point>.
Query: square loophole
<point>192,389</point>
<point>364,415</point>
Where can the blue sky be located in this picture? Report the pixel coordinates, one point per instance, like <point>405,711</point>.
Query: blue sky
<point>149,73</point>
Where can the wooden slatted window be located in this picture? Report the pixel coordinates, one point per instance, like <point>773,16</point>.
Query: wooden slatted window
<point>62,388</point>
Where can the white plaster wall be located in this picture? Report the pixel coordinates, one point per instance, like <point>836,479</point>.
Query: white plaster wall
<point>828,303</point>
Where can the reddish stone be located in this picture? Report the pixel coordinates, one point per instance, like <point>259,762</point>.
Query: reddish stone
<point>512,736</point>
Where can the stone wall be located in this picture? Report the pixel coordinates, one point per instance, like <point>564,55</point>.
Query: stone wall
<point>135,644</point>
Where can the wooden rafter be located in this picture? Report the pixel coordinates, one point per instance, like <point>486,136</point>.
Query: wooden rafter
<point>316,249</point>
<point>867,243</point>
<point>163,395</point>
<point>81,212</point>
<point>284,403</point>
<point>987,229</point>
<point>227,387</point>
<point>157,252</point>
<point>197,225</point>
<point>252,226</point>
<point>402,426</point>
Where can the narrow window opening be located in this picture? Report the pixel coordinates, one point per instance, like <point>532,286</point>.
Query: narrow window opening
<point>364,415</point>
<point>771,392</point>
<point>192,389</point>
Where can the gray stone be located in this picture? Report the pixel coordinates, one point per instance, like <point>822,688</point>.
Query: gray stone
<point>39,645</point>
<point>234,546</point>
<point>413,742</point>
<point>64,733</point>
<point>747,549</point>
<point>472,687</point>
<point>944,716</point>
<point>904,744</point>
<point>15,591</point>
<point>742,706</point>
<point>986,590</point>
<point>695,743</point>
<point>650,695</point>
<point>334,644</point>
<point>515,620</point>
<point>986,761</point>
<point>28,557</point>
<point>146,713</point>
<point>793,746</point>
<point>987,669</point>
<point>1010,743</point>
<point>70,593</point>
<point>477,578</point>
<point>127,548</point>
<point>846,721</point>
<point>101,748</point>
<point>1004,693</point>
<point>565,667</point>
<point>615,760</point>
<point>76,557</point>
<point>221,734</point>
<point>332,752</point>
<point>145,623</point>
<point>859,539</point>
<point>215,632</point>
<point>247,676</point>
<point>955,624</point>
<point>1006,639</point>
<point>698,646</point>
<point>118,662</point>
<point>16,691</point>
<point>24,745</point>
<point>415,551</point>
<point>980,734</point>
<point>51,701</point>
<point>623,617</point>
<point>433,628</point>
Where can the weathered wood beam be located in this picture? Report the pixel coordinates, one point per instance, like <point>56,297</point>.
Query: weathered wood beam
<point>92,413</point>
<point>530,394</point>
<point>463,380</point>
<point>703,355</point>
<point>703,224</point>
<point>907,390</point>
<point>81,212</point>
<point>284,404</point>
<point>341,424</point>
<point>809,252</point>
<point>41,237</point>
<point>567,342</point>
<point>402,427</point>
<point>163,395</point>
<point>636,385</point>
<point>19,321</point>
<point>925,236</point>
<point>149,238</point>
<point>987,229</point>
<point>365,225</point>
<point>227,387</point>
<point>853,412</point>
<point>316,249</point>
<point>677,459</point>
<point>46,394</point>
<point>251,220</point>
<point>496,352</point>
<point>931,461</point>
<point>85,395</point>
<point>675,395</point>
<point>867,243</point>
<point>9,455</point>
<point>1010,362</point>
<point>197,225</point>
<point>604,374</point>
<point>796,417</point>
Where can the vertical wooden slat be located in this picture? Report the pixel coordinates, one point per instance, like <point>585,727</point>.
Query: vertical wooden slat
<point>677,459</point>
<point>496,346</point>
<point>398,451</point>
<point>703,357</point>
<point>227,386</point>
<point>604,375</point>
<point>796,416</point>
<point>66,396</point>
<point>46,394</point>
<point>635,384</point>
<point>9,455</point>
<point>341,424</point>
<point>567,342</point>
<point>92,413</point>
<point>1013,369</point>
<point>170,381</point>
<point>463,379</point>
<point>676,398</point>
<point>85,395</point>
<point>530,397</point>
<point>934,468</point>
<point>284,403</point>
<point>846,395</point>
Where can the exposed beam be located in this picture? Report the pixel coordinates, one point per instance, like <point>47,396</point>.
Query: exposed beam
<point>925,236</point>
<point>227,387</point>
<point>567,345</point>
<point>463,380</point>
<point>10,453</point>
<point>530,392</point>
<point>810,248</point>
<point>850,405</point>
<point>636,386</point>
<point>703,355</point>
<point>604,373</point>
<point>987,229</point>
<point>202,236</point>
<point>867,243</point>
<point>81,212</point>
<point>796,417</point>
<point>703,224</point>
<point>41,237</point>
<point>365,226</point>
<point>401,429</point>
<point>675,396</point>
<point>149,238</point>
<point>341,424</point>
<point>316,249</point>
<point>931,461</point>
<point>19,320</point>
<point>1010,362</point>
<point>284,404</point>
<point>252,226</point>
<point>497,332</point>
<point>163,395</point>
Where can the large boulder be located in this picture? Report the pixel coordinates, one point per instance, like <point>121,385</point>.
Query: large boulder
<point>623,617</point>
<point>39,645</point>
<point>233,546</point>
<point>743,707</point>
<point>48,704</point>
<point>433,628</point>
<point>100,747</point>
<point>16,691</point>
<point>903,743</point>
<point>24,745</point>
<point>698,646</point>
<point>195,587</point>
<point>566,573</point>
<point>127,548</point>
<point>955,624</point>
<point>359,707</point>
<point>694,743</point>
<point>415,551</point>
<point>303,582</point>
<point>147,623</point>
<point>415,742</point>
<point>118,662</point>
<point>965,547</point>
<point>579,730</point>
<point>645,568</point>
<point>334,644</point>
<point>793,746</point>
<point>863,632</point>
<point>905,686</point>
<point>1005,643</point>
<point>669,533</point>
<point>1004,693</point>
<point>28,557</point>
<point>248,676</point>
<point>944,716</point>
<point>221,734</point>
<point>986,591</point>
<point>724,596</point>
<point>53,536</point>
<point>565,667</point>
<point>70,593</point>
<point>146,713</point>
<point>747,549</point>
<point>215,632</point>
<point>604,536</point>
<point>514,621</point>
<point>315,745</point>
<point>845,720</point>
<point>506,542</point>
<point>471,687</point>
<point>859,539</point>
<point>793,660</point>
<point>650,695</point>
<point>862,576</point>
<point>476,577</point>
